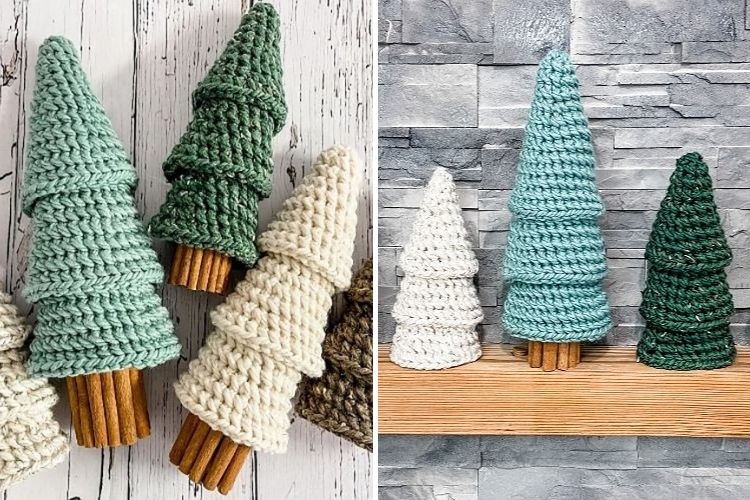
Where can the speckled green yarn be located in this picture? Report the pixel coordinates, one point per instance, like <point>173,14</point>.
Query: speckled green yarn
<point>555,261</point>
<point>91,270</point>
<point>222,165</point>
<point>687,303</point>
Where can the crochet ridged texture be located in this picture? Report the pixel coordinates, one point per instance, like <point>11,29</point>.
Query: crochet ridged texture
<point>437,308</point>
<point>686,302</point>
<point>341,400</point>
<point>555,261</point>
<point>270,329</point>
<point>222,165</point>
<point>92,270</point>
<point>30,437</point>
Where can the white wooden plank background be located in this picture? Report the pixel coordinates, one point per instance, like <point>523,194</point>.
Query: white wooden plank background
<point>143,58</point>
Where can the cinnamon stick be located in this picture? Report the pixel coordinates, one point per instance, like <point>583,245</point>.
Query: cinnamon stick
<point>219,464</point>
<point>563,356</point>
<point>195,268</point>
<point>176,264</point>
<point>226,265</point>
<point>184,271</point>
<point>126,412</point>
<point>574,357</point>
<point>86,437</point>
<point>194,445</point>
<point>233,469</point>
<point>110,409</point>
<point>183,438</point>
<point>205,271</point>
<point>96,405</point>
<point>204,456</point>
<point>549,356</point>
<point>140,406</point>
<point>535,354</point>
<point>70,382</point>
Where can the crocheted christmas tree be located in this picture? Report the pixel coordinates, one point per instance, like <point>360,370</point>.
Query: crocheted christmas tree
<point>222,165</point>
<point>437,308</point>
<point>92,270</point>
<point>30,437</point>
<point>341,400</point>
<point>686,303</point>
<point>554,262</point>
<point>269,331</point>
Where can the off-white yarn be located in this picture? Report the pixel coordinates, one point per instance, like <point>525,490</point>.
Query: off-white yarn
<point>30,437</point>
<point>269,331</point>
<point>437,309</point>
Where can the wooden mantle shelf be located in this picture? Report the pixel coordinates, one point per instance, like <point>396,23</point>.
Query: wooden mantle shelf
<point>608,394</point>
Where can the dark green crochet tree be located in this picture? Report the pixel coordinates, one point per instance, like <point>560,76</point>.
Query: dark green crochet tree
<point>686,303</point>
<point>222,165</point>
<point>92,271</point>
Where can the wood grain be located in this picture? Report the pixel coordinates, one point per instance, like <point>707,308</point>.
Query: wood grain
<point>144,59</point>
<point>608,394</point>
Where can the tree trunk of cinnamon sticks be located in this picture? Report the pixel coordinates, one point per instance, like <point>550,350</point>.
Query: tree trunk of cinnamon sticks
<point>200,269</point>
<point>551,356</point>
<point>108,409</point>
<point>206,456</point>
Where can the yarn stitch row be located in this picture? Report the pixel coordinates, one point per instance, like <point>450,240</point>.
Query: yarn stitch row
<point>437,308</point>
<point>269,331</point>
<point>223,163</point>
<point>341,400</point>
<point>555,261</point>
<point>92,270</point>
<point>30,437</point>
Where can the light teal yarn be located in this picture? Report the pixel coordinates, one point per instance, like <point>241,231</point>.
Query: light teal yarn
<point>555,261</point>
<point>92,270</point>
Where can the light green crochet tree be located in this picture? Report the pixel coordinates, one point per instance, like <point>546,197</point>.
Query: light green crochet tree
<point>92,270</point>
<point>555,261</point>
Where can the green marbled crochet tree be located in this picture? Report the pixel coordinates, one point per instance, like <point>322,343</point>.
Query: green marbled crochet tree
<point>223,165</point>
<point>555,262</point>
<point>686,302</point>
<point>92,271</point>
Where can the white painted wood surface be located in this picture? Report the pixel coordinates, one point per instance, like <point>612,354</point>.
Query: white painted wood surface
<point>144,58</point>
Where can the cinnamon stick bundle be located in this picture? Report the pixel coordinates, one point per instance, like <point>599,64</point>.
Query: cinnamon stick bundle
<point>551,356</point>
<point>108,409</point>
<point>206,456</point>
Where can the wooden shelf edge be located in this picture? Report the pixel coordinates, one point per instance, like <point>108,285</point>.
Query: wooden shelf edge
<point>609,394</point>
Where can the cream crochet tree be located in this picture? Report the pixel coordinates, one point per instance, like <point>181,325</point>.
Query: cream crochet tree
<point>30,437</point>
<point>269,331</point>
<point>437,309</point>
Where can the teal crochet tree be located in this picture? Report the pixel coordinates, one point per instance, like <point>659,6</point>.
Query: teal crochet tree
<point>223,165</point>
<point>554,261</point>
<point>686,303</point>
<point>91,270</point>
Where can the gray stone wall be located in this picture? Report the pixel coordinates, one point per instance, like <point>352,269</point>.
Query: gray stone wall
<point>659,78</point>
<point>562,468</point>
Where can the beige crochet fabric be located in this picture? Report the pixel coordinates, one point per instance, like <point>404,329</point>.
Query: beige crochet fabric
<point>270,329</point>
<point>30,438</point>
<point>437,308</point>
